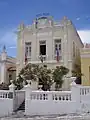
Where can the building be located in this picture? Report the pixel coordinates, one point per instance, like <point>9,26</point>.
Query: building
<point>58,43</point>
<point>7,67</point>
<point>85,65</point>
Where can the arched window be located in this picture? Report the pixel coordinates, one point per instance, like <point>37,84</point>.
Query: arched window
<point>10,77</point>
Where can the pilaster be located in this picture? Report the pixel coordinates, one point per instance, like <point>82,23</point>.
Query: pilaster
<point>3,66</point>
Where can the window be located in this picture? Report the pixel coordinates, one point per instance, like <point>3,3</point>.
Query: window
<point>42,47</point>
<point>89,73</point>
<point>57,46</point>
<point>73,49</point>
<point>28,49</point>
<point>10,77</point>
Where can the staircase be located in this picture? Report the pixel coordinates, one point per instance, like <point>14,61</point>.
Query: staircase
<point>22,107</point>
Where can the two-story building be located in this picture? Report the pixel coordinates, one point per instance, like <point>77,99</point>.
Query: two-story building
<point>57,42</point>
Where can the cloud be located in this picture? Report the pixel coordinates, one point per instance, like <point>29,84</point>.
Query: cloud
<point>12,47</point>
<point>78,18</point>
<point>84,35</point>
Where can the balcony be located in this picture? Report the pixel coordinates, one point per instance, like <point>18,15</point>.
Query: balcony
<point>42,58</point>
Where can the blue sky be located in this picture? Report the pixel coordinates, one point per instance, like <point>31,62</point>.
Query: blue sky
<point>13,12</point>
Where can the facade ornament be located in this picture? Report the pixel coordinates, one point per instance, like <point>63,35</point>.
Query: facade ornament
<point>40,87</point>
<point>3,54</point>
<point>29,82</point>
<point>41,58</point>
<point>4,48</point>
<point>21,27</point>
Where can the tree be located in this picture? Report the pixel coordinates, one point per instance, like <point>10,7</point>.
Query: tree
<point>4,86</point>
<point>30,71</point>
<point>44,74</point>
<point>76,72</point>
<point>45,77</point>
<point>58,75</point>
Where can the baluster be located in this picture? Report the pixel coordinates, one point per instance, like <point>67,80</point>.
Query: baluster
<point>0,95</point>
<point>31,97</point>
<point>34,96</point>
<point>3,95</point>
<point>6,95</point>
<point>61,97</point>
<point>53,97</point>
<point>40,96</point>
<point>69,97</point>
<point>65,97</point>
<point>82,91</point>
<point>88,90</point>
<point>46,96</point>
<point>56,97</point>
<point>85,91</point>
<point>37,96</point>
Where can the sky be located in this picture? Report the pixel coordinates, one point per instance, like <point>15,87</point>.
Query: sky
<point>13,12</point>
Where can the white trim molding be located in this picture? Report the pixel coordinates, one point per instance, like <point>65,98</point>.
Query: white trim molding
<point>39,62</point>
<point>85,55</point>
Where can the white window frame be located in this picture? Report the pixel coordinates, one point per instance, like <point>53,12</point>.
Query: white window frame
<point>57,42</point>
<point>42,42</point>
<point>28,49</point>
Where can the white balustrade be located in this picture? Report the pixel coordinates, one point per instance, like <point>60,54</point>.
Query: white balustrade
<point>45,95</point>
<point>5,94</point>
<point>84,90</point>
<point>62,96</point>
<point>39,102</point>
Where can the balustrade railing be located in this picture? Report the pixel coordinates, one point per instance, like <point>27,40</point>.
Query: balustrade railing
<point>6,94</point>
<point>84,90</point>
<point>51,95</point>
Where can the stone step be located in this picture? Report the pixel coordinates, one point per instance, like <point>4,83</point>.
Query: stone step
<point>22,107</point>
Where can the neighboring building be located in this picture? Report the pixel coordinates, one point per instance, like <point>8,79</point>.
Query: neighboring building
<point>7,67</point>
<point>58,43</point>
<point>85,64</point>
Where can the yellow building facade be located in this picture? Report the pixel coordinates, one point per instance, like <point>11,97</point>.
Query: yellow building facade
<point>85,65</point>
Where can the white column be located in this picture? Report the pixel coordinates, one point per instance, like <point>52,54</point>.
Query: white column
<point>75,93</point>
<point>28,90</point>
<point>3,72</point>
<point>3,65</point>
<point>65,47</point>
<point>27,97</point>
<point>65,51</point>
<point>12,90</point>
